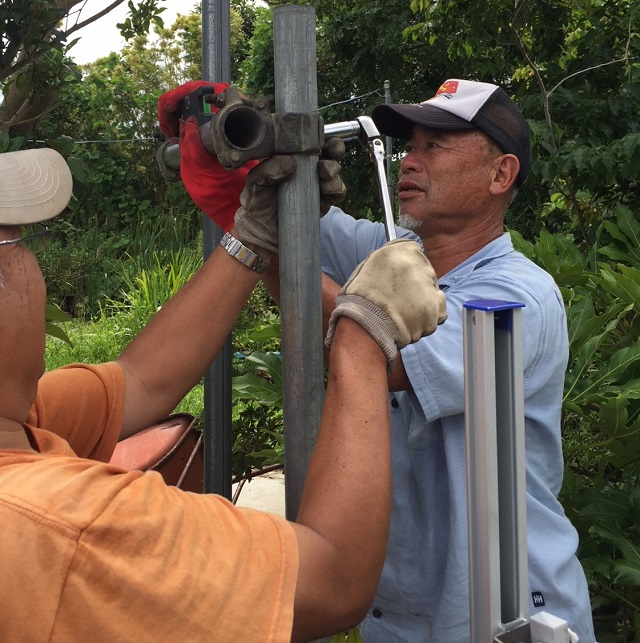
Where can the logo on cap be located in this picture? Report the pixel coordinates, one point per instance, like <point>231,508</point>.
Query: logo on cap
<point>448,87</point>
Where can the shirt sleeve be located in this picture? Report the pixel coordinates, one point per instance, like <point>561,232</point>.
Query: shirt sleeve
<point>434,364</point>
<point>346,242</point>
<point>82,404</point>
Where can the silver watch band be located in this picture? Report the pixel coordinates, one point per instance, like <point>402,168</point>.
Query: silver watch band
<point>245,256</point>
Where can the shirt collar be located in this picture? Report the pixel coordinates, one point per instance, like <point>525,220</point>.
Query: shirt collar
<point>496,248</point>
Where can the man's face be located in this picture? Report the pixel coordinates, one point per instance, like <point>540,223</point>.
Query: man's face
<point>22,313</point>
<point>444,179</point>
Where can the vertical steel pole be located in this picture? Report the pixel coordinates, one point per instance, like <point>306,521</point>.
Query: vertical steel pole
<point>216,67</point>
<point>295,73</point>
<point>496,478</point>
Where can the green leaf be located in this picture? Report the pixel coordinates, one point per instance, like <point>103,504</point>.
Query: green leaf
<point>54,313</point>
<point>269,363</point>
<point>265,333</point>
<point>625,570</point>
<point>79,169</point>
<point>62,144</point>
<point>253,387</point>
<point>55,331</point>
<point>624,283</point>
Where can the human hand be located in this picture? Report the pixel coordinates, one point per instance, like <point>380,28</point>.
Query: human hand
<point>393,294</point>
<point>169,102</point>
<point>213,189</point>
<point>332,189</point>
<point>256,220</point>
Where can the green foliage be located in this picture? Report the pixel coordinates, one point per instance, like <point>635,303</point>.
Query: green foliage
<point>257,387</point>
<point>148,288</point>
<point>352,636</point>
<point>53,317</point>
<point>84,267</point>
<point>263,383</point>
<point>140,18</point>
<point>34,68</point>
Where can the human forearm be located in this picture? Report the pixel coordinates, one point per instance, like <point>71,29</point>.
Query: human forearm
<point>173,351</point>
<point>344,514</point>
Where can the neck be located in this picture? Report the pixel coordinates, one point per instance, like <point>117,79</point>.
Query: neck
<point>13,436</point>
<point>445,251</point>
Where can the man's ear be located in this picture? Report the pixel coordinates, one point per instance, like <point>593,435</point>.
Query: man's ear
<point>505,174</point>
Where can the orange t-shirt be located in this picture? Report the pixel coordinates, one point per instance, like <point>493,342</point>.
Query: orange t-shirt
<point>82,404</point>
<point>89,552</point>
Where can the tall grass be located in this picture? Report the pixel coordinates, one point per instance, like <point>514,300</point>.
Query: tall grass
<point>87,266</point>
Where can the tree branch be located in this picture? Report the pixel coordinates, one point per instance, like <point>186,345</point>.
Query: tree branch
<point>584,71</point>
<point>570,194</point>
<point>88,21</point>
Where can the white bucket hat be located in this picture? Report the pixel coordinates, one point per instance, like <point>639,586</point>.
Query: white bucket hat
<point>35,185</point>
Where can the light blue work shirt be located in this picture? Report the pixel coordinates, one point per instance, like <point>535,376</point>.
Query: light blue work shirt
<point>423,595</point>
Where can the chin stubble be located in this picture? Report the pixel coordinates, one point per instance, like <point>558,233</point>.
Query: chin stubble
<point>408,223</point>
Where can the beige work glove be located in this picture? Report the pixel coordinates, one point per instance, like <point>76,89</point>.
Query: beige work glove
<point>256,220</point>
<point>393,294</point>
<point>332,189</point>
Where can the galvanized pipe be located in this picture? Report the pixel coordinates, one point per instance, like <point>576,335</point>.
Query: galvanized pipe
<point>295,73</point>
<point>216,67</point>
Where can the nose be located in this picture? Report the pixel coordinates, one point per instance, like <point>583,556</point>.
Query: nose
<point>410,162</point>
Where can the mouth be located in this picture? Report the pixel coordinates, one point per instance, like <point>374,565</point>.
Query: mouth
<point>407,189</point>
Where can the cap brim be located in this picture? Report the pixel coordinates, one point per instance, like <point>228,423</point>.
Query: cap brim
<point>35,186</point>
<point>398,121</point>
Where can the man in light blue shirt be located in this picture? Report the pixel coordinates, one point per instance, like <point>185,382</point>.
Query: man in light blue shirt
<point>466,155</point>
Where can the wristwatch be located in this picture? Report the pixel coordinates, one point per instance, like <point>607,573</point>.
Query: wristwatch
<point>245,256</point>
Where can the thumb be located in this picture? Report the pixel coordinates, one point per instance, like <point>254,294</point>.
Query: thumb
<point>272,171</point>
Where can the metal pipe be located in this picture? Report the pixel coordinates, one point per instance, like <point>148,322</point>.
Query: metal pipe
<point>221,139</point>
<point>295,75</point>
<point>216,67</point>
<point>345,130</point>
<point>247,127</point>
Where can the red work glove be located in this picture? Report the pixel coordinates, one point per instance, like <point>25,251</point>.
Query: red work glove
<point>169,101</point>
<point>213,189</point>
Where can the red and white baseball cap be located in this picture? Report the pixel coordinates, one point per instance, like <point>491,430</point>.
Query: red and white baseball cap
<point>35,185</point>
<point>463,105</point>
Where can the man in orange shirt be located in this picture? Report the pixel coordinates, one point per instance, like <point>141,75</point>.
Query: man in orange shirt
<point>91,552</point>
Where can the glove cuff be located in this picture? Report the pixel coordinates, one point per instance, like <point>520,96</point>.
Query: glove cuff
<point>373,319</point>
<point>254,231</point>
